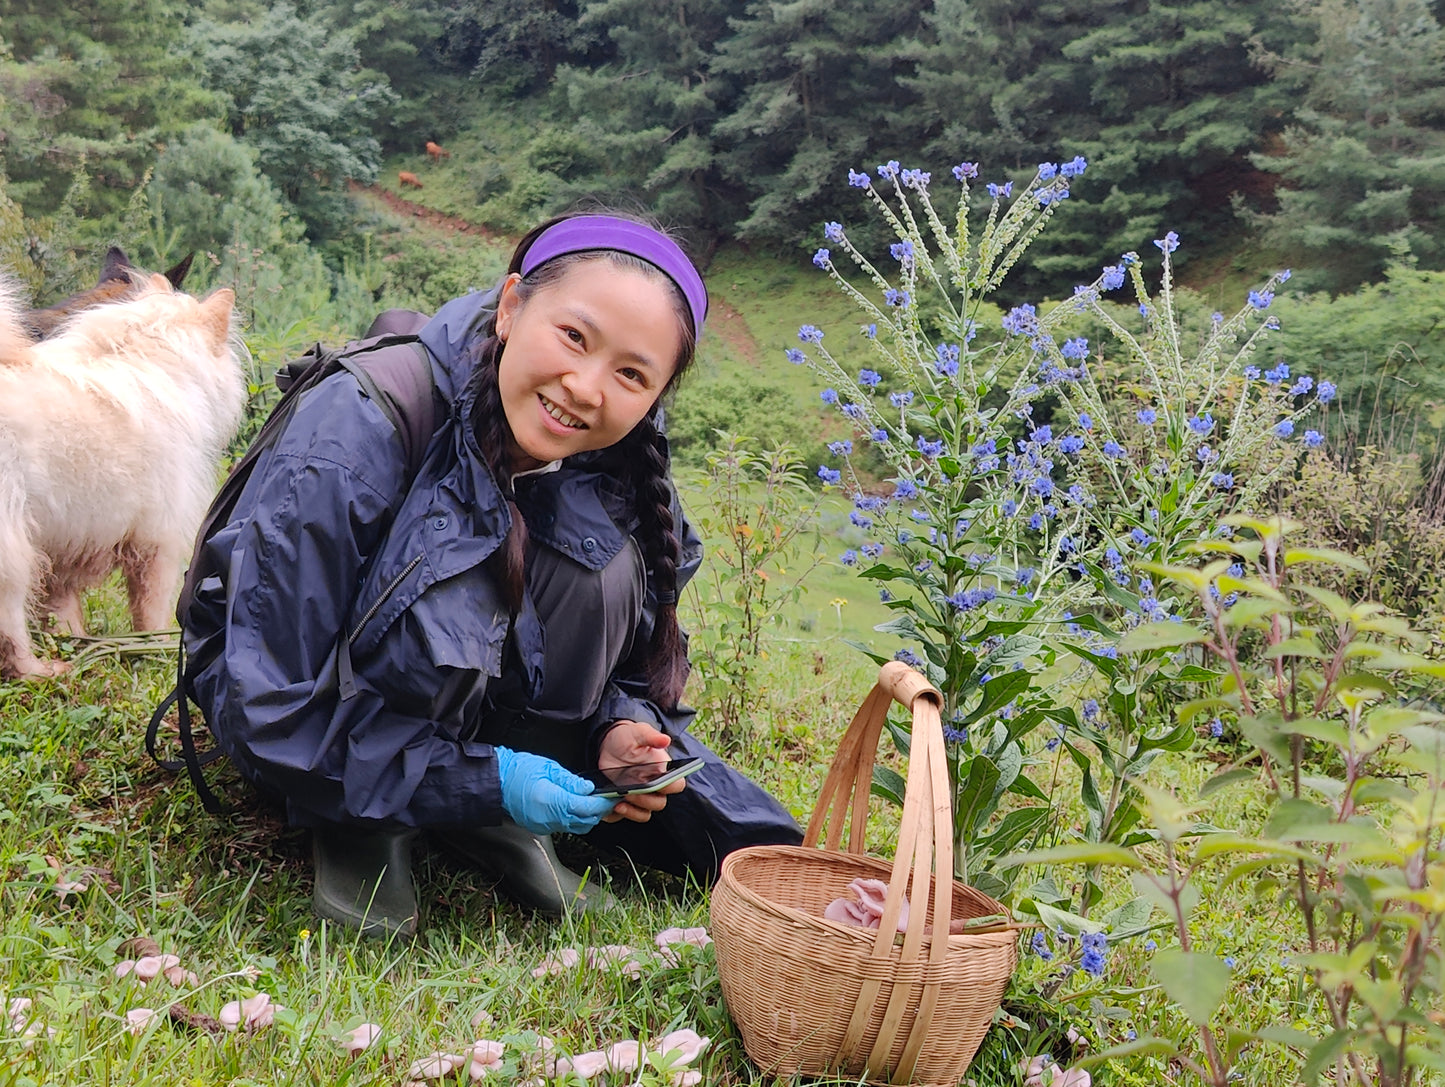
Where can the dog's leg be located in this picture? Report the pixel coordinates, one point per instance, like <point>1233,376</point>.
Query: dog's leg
<point>17,653</point>
<point>152,575</point>
<point>20,569</point>
<point>64,604</point>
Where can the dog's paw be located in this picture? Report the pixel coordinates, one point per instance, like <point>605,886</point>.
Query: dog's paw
<point>38,670</point>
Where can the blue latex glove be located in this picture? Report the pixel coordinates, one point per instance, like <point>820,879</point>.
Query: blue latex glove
<point>545,797</point>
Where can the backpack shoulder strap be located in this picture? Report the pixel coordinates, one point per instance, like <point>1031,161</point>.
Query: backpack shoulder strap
<point>396,373</point>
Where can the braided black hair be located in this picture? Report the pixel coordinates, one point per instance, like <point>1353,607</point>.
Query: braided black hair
<point>666,658</point>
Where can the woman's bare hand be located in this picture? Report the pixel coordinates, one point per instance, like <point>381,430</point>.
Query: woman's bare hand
<point>629,743</point>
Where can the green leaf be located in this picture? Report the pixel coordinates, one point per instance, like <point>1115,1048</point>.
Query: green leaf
<point>1295,555</point>
<point>888,783</point>
<point>1148,1045</point>
<point>1196,982</point>
<point>1109,666</point>
<point>1179,738</point>
<point>1191,709</point>
<point>975,796</point>
<point>1324,1053</point>
<point>1131,915</point>
<point>1072,923</point>
<point>1160,636</point>
<point>1149,889</point>
<point>1225,780</point>
<point>903,625</point>
<point>1251,609</point>
<point>1330,732</point>
<point>999,692</point>
<point>1213,845</point>
<point>1013,828</point>
<point>1080,853</point>
<point>1266,734</point>
<point>1295,647</point>
<point>1294,817</point>
<point>1194,673</point>
<point>1016,648</point>
<point>1299,820</point>
<point>1277,1035</point>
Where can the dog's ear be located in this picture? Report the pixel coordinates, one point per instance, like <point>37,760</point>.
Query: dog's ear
<point>116,266</point>
<point>177,274</point>
<point>217,310</point>
<point>159,282</point>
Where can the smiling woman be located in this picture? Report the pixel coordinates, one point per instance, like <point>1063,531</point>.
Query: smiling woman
<point>587,356</point>
<point>395,655</point>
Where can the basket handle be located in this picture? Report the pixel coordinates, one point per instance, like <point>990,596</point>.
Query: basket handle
<point>927,822</point>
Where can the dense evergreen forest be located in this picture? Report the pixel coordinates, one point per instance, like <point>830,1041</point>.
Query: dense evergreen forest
<point>1314,126</point>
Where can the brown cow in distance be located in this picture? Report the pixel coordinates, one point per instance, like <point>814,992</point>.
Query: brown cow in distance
<point>406,177</point>
<point>437,151</point>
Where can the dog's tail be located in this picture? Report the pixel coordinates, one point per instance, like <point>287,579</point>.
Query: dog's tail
<point>14,340</point>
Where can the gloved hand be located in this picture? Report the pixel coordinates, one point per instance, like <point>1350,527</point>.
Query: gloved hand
<point>545,797</point>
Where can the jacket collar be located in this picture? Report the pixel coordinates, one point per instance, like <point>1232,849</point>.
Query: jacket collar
<point>449,337</point>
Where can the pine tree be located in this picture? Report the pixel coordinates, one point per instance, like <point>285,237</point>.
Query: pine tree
<point>515,48</point>
<point>648,113</point>
<point>817,90</point>
<point>1362,168</point>
<point>95,85</point>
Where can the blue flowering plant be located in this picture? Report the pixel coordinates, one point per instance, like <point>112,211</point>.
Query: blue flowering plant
<point>951,535</point>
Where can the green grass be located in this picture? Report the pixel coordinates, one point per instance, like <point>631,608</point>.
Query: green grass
<point>230,897</point>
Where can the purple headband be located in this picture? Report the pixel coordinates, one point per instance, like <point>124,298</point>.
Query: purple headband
<point>588,232</point>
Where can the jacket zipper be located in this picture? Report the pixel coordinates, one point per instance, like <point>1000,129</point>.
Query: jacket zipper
<point>382,599</point>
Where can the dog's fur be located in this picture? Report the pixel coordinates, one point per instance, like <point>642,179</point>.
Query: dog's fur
<point>111,433</point>
<point>119,279</point>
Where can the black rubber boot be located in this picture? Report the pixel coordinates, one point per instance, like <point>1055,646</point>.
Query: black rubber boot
<point>528,868</point>
<point>363,879</point>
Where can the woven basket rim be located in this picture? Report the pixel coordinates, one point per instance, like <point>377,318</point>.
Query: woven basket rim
<point>836,929</point>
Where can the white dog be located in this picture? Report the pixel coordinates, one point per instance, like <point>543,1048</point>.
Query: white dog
<point>111,433</point>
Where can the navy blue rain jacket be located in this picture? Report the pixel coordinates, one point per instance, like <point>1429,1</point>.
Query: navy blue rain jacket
<point>355,638</point>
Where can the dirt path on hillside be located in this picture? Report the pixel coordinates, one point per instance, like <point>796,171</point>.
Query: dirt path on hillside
<point>451,224</point>
<point>723,319</point>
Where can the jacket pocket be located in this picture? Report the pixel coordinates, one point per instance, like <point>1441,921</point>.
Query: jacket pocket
<point>461,623</point>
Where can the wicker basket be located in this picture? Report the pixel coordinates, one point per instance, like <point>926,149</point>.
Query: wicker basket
<point>816,997</point>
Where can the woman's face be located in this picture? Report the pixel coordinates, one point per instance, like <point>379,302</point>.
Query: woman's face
<point>586,358</point>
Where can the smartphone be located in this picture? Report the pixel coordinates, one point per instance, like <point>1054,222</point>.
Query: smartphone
<point>642,777</point>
